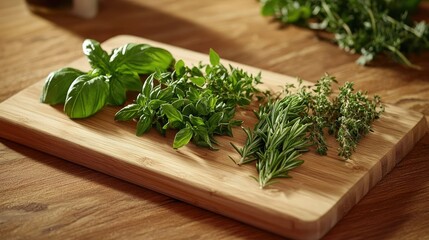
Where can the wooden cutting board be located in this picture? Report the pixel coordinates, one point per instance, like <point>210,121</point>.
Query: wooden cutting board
<point>306,206</point>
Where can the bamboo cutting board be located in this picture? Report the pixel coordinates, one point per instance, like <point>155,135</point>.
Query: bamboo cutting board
<point>320,193</point>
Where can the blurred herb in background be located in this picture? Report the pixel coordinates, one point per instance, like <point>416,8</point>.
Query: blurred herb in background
<point>366,27</point>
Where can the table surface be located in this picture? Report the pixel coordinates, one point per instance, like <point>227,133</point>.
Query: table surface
<point>43,196</point>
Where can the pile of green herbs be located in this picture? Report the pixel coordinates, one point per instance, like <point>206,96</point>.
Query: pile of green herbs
<point>200,102</point>
<point>365,27</point>
<point>111,76</point>
<point>288,126</point>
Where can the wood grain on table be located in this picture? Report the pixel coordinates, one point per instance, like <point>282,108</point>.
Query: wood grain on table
<point>45,197</point>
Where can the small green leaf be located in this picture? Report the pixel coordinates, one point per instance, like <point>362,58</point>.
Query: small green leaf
<point>143,125</point>
<point>127,113</point>
<point>268,7</point>
<point>182,137</point>
<point>179,67</point>
<point>86,96</point>
<point>202,108</point>
<point>97,57</point>
<point>214,121</point>
<point>172,113</point>
<point>212,101</point>
<point>154,104</point>
<point>214,57</point>
<point>199,81</point>
<point>141,100</point>
<point>196,121</point>
<point>154,94</point>
<point>202,137</point>
<point>178,103</point>
<point>148,86</point>
<point>166,93</point>
<point>189,109</point>
<point>57,85</point>
<point>195,71</point>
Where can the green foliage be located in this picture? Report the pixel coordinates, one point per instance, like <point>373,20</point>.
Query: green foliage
<point>86,96</point>
<point>347,116</point>
<point>287,126</point>
<point>57,84</point>
<point>277,140</point>
<point>369,28</point>
<point>111,76</point>
<point>198,101</point>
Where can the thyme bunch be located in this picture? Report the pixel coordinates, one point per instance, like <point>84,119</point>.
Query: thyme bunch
<point>347,116</point>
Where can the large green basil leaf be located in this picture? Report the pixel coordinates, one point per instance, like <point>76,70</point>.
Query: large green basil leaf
<point>131,81</point>
<point>117,92</point>
<point>140,58</point>
<point>86,96</point>
<point>57,84</point>
<point>97,57</point>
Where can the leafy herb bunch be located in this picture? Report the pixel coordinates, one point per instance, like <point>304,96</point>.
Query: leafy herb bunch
<point>277,140</point>
<point>198,101</point>
<point>365,27</point>
<point>347,116</point>
<point>110,77</point>
<point>288,126</point>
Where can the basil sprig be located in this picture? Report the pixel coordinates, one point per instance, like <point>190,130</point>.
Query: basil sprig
<point>111,76</point>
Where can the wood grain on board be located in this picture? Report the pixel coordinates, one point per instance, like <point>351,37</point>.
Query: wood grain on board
<point>320,193</point>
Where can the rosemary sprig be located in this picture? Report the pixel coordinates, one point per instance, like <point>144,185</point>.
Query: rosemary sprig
<point>277,140</point>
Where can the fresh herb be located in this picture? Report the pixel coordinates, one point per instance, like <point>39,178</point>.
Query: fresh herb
<point>111,76</point>
<point>198,101</point>
<point>286,127</point>
<point>369,28</point>
<point>347,116</point>
<point>277,140</point>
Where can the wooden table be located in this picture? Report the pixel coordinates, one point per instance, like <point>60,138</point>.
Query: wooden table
<point>42,196</point>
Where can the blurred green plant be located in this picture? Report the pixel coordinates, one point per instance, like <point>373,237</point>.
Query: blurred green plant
<point>365,27</point>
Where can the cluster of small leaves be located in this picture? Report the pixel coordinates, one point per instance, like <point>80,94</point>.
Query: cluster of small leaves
<point>348,116</point>
<point>277,140</point>
<point>198,101</point>
<point>365,27</point>
<point>112,75</point>
<point>286,127</point>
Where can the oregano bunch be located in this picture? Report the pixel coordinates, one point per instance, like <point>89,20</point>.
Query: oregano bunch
<point>198,101</point>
